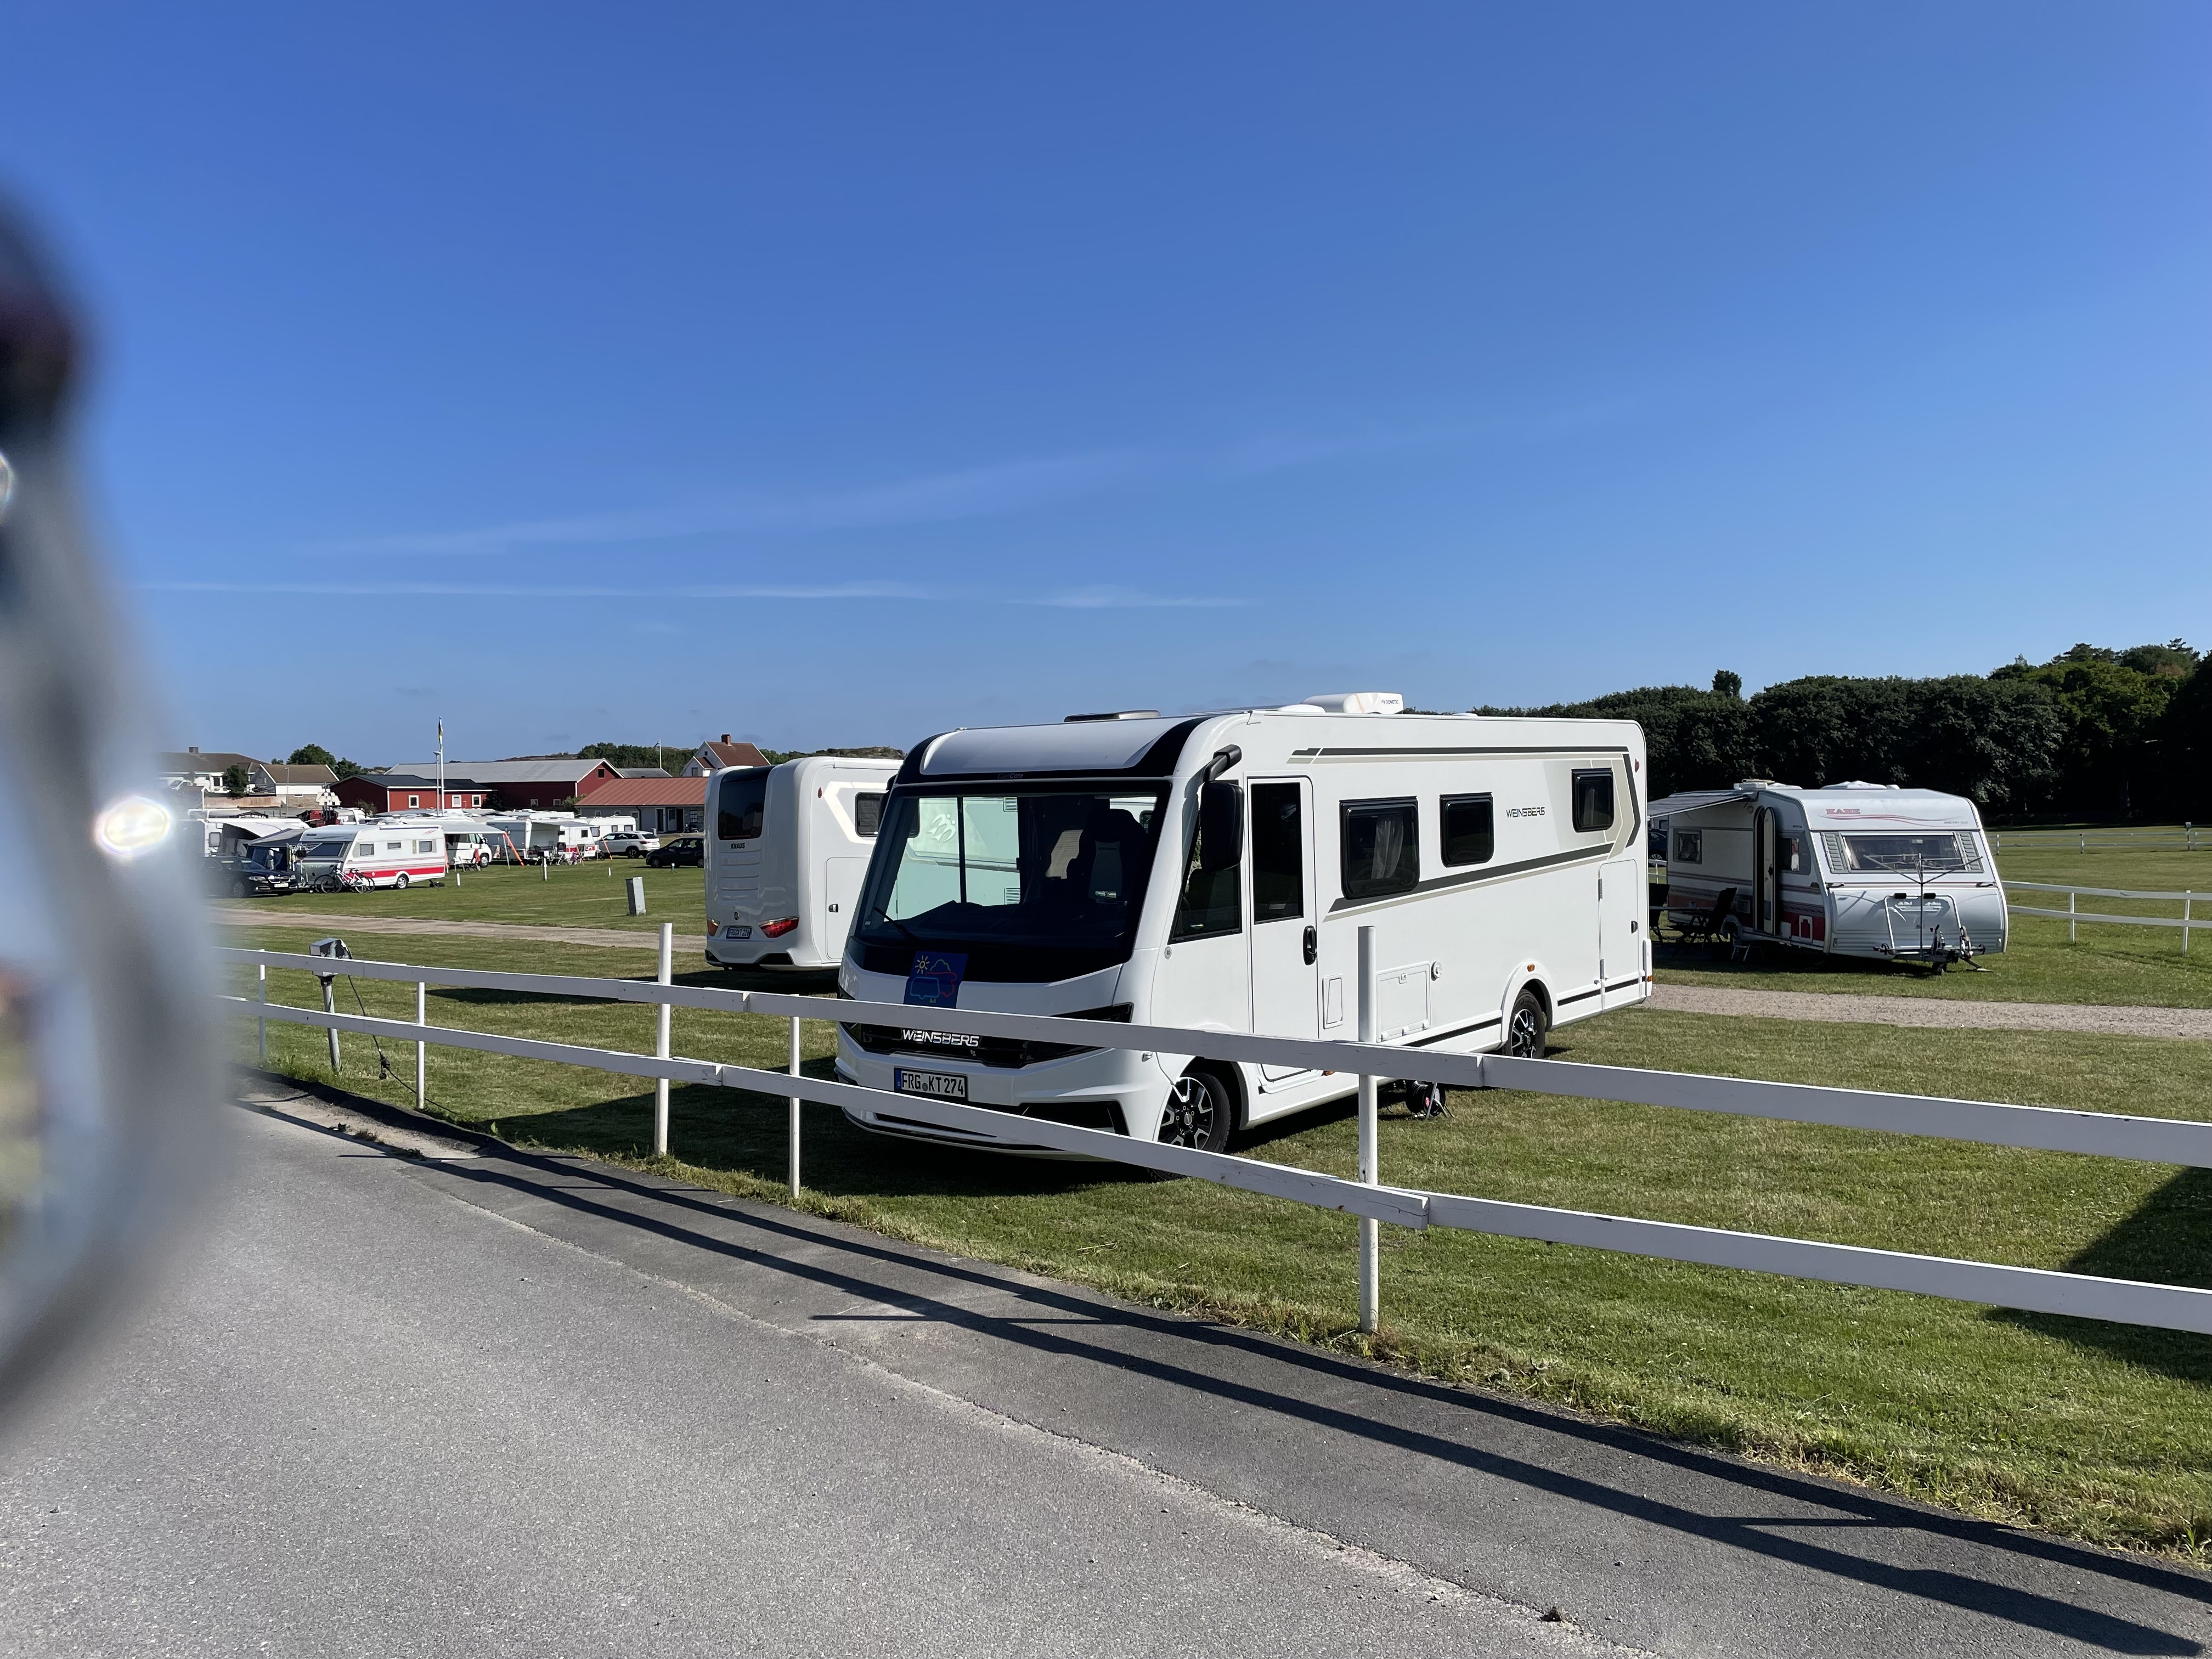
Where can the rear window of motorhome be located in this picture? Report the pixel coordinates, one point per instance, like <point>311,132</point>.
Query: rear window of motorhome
<point>1593,800</point>
<point>1211,902</point>
<point>1278,853</point>
<point>743,803</point>
<point>1902,855</point>
<point>1382,848</point>
<point>1689,846</point>
<point>1469,829</point>
<point>868,815</point>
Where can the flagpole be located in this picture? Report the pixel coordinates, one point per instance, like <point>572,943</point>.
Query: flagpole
<point>441,765</point>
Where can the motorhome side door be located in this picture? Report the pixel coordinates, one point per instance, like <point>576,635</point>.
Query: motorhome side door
<point>1285,974</point>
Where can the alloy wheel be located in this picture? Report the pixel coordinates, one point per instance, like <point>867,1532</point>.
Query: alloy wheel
<point>1524,1035</point>
<point>1189,1119</point>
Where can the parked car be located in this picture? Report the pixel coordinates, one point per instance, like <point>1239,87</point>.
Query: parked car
<point>630,843</point>
<point>678,851</point>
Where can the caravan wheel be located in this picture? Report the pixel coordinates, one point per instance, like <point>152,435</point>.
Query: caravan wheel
<point>399,882</point>
<point>1526,1026</point>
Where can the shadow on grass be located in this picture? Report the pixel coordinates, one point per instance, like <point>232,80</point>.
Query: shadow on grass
<point>2166,1241</point>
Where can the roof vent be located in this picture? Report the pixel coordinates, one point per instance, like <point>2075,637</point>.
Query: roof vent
<point>1117,714</point>
<point>1856,784</point>
<point>1301,708</point>
<point>1357,702</point>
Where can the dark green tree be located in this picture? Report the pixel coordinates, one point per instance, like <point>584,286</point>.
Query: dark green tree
<point>235,779</point>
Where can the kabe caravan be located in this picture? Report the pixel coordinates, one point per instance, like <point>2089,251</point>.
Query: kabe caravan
<point>1213,872</point>
<point>786,849</point>
<point>1852,870</point>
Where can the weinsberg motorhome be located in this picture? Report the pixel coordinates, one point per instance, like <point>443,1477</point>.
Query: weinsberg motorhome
<point>788,847</point>
<point>1853,870</point>
<point>1213,872</point>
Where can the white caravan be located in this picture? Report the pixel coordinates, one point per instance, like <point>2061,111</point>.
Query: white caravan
<point>786,847</point>
<point>1852,870</point>
<point>1213,872</point>
<point>379,853</point>
<point>536,834</point>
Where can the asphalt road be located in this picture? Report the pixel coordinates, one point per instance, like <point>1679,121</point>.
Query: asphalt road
<point>505,1405</point>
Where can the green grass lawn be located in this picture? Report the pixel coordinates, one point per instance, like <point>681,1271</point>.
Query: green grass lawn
<point>2106,963</point>
<point>567,895</point>
<point>2101,1432</point>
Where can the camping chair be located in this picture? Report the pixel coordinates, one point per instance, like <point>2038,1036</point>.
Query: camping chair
<point>1706,928</point>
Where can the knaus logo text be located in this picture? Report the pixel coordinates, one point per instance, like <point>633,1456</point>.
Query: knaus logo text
<point>1524,811</point>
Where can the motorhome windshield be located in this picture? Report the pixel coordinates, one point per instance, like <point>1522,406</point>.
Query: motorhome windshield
<point>1033,884</point>
<point>1901,855</point>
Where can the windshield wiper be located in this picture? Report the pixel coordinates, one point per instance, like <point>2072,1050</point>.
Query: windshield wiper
<point>897,923</point>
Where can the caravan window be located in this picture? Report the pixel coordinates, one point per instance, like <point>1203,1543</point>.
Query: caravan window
<point>1278,853</point>
<point>1593,800</point>
<point>743,803</point>
<point>1212,901</point>
<point>1689,846</point>
<point>1469,827</point>
<point>1382,848</point>
<point>1901,854</point>
<point>868,815</point>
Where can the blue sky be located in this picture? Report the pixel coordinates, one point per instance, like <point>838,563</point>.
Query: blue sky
<point>838,374</point>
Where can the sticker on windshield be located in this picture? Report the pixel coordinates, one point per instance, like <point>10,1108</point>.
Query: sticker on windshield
<point>934,981</point>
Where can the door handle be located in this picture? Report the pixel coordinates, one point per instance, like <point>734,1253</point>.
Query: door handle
<point>1310,952</point>
<point>832,909</point>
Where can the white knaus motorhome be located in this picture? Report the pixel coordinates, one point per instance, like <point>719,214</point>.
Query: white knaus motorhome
<point>787,847</point>
<point>1853,870</point>
<point>1212,872</point>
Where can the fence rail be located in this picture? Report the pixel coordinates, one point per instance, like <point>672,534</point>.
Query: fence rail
<point>2188,838</point>
<point>2164,1140</point>
<point>2072,914</point>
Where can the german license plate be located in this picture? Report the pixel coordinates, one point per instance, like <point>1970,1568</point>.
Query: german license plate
<point>734,932</point>
<point>936,1085</point>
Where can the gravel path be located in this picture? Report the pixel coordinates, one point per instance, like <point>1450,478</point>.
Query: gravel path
<point>1927,1011</point>
<point>625,939</point>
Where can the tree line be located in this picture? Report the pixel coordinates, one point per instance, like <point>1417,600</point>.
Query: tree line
<point>2095,732</point>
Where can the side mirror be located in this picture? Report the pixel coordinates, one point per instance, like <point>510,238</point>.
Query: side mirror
<point>1220,826</point>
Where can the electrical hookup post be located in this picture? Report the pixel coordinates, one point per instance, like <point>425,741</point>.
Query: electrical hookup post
<point>335,950</point>
<point>1371,1173</point>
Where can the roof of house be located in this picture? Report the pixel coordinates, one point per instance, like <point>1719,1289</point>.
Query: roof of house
<point>642,772</point>
<point>284,774</point>
<point>567,769</point>
<point>647,791</point>
<point>414,780</point>
<point>726,753</point>
<point>177,761</point>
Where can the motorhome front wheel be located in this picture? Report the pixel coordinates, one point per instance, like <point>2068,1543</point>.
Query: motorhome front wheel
<point>1197,1114</point>
<point>1526,1026</point>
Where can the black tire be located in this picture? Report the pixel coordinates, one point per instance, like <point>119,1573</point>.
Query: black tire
<point>1527,1026</point>
<point>237,888</point>
<point>399,882</point>
<point>1199,1114</point>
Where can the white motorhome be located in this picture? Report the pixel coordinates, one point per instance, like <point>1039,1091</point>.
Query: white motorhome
<point>1213,872</point>
<point>1852,870</point>
<point>379,853</point>
<point>787,847</point>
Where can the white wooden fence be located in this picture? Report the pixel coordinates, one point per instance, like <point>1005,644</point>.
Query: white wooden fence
<point>2163,1140</point>
<point>2072,915</point>
<point>2189,837</point>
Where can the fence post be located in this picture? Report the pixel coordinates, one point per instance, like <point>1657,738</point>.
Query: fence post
<point>1370,1230</point>
<point>261,1021</point>
<point>422,1049</point>
<point>2085,841</point>
<point>660,1044</point>
<point>2187,899</point>
<point>2069,915</point>
<point>331,1007</point>
<point>794,1108</point>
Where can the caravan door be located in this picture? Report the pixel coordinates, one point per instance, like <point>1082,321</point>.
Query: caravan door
<point>1766,872</point>
<point>1286,974</point>
<point>841,889</point>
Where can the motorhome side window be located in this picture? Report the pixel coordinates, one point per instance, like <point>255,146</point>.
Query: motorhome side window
<point>1382,848</point>
<point>1689,846</point>
<point>1593,800</point>
<point>1211,902</point>
<point>743,801</point>
<point>1469,829</point>
<point>868,815</point>
<point>1279,854</point>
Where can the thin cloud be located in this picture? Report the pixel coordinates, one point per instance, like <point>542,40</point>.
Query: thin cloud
<point>1125,598</point>
<point>972,493</point>
<point>548,591</point>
